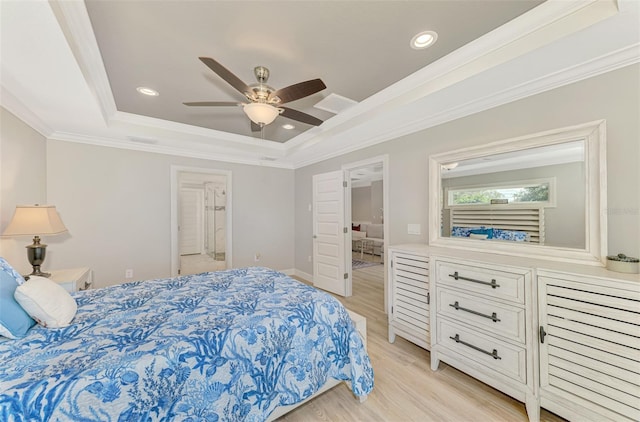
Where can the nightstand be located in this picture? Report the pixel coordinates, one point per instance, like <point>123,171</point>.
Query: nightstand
<point>73,279</point>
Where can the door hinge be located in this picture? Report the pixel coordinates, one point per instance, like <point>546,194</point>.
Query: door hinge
<point>391,263</point>
<point>345,229</point>
<point>542,334</point>
<point>392,309</point>
<point>344,183</point>
<point>428,298</point>
<point>346,276</point>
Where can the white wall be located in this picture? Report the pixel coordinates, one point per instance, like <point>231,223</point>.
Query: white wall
<point>377,202</point>
<point>22,182</point>
<point>367,203</point>
<point>612,96</point>
<point>361,204</point>
<point>116,205</point>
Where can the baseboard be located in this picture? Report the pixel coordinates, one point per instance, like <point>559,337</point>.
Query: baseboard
<point>305,276</point>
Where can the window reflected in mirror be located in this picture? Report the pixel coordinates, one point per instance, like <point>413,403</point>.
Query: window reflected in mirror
<point>534,195</point>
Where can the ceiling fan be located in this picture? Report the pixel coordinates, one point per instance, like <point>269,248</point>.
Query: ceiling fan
<point>265,102</point>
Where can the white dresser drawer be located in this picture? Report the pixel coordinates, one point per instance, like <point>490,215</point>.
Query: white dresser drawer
<point>481,349</point>
<point>489,316</point>
<point>499,284</point>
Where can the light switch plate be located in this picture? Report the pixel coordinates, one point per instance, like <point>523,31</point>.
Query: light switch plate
<point>413,229</point>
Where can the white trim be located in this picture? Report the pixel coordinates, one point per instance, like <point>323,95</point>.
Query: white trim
<point>76,25</point>
<point>175,250</point>
<point>21,111</point>
<point>595,250</point>
<point>305,276</point>
<point>591,68</point>
<point>166,150</point>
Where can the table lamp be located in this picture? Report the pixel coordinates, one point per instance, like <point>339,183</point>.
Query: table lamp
<point>35,220</point>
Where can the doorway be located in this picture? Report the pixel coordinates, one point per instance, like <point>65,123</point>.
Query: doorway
<point>366,214</point>
<point>201,220</point>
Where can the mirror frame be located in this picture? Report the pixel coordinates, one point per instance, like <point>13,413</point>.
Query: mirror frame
<point>595,251</point>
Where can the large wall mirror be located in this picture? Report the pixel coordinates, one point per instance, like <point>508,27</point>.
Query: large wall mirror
<point>541,196</point>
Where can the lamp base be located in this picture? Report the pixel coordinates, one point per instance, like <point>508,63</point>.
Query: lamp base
<point>36,253</point>
<point>36,271</point>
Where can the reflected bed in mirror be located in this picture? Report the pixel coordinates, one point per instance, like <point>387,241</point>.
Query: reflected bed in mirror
<point>540,195</point>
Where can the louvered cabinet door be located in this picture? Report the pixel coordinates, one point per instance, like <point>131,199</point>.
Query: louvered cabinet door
<point>589,347</point>
<point>409,317</point>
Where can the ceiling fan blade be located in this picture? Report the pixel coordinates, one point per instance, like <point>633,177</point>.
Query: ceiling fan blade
<point>299,90</point>
<point>300,116</point>
<point>255,127</point>
<point>226,74</point>
<point>211,104</point>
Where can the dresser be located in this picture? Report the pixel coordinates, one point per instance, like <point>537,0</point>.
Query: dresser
<point>409,294</point>
<point>73,279</point>
<point>565,337</point>
<point>483,317</point>
<point>589,338</point>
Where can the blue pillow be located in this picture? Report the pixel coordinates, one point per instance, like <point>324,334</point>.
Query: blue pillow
<point>6,267</point>
<point>14,321</point>
<point>488,232</point>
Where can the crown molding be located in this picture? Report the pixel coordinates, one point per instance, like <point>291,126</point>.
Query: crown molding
<point>73,18</point>
<point>229,157</point>
<point>210,135</point>
<point>20,110</point>
<point>609,62</point>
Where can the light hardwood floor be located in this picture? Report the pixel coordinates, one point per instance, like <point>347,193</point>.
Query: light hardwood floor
<point>405,387</point>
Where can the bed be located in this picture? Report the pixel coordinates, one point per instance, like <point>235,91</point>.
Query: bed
<point>229,345</point>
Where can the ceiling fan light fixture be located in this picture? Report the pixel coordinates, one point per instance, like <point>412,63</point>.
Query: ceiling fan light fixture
<point>423,39</point>
<point>261,113</point>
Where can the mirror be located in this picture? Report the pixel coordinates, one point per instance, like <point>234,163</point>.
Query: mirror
<point>541,195</point>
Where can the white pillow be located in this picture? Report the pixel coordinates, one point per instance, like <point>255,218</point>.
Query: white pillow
<point>46,301</point>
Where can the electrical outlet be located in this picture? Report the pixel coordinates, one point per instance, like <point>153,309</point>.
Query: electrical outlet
<point>257,257</point>
<point>128,273</point>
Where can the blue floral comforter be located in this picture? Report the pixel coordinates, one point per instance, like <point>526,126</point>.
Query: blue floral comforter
<point>230,345</point>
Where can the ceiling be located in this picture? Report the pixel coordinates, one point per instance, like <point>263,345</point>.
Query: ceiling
<point>70,69</point>
<point>356,47</point>
<point>562,153</point>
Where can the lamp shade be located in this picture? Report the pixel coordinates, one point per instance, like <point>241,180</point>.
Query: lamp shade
<point>32,220</point>
<point>261,113</point>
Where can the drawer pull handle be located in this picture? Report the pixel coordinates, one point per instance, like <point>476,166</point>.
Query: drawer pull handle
<point>457,307</point>
<point>543,333</point>
<point>493,283</point>
<point>493,354</point>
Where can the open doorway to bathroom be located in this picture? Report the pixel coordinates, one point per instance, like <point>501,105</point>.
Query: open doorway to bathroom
<point>201,221</point>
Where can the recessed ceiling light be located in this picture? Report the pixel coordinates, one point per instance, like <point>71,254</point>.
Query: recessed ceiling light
<point>423,40</point>
<point>147,91</point>
<point>288,126</point>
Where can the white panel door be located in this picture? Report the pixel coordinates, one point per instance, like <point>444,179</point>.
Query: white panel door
<point>191,221</point>
<point>329,259</point>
